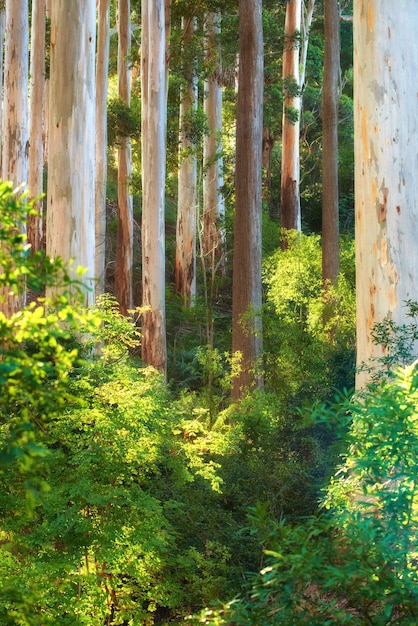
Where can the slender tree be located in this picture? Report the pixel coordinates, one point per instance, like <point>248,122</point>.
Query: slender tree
<point>213,201</point>
<point>246,297</point>
<point>124,236</point>
<point>290,218</point>
<point>154,123</point>
<point>2,32</point>
<point>386,173</point>
<point>185,264</point>
<point>70,200</point>
<point>102,65</point>
<point>36,121</point>
<point>330,103</point>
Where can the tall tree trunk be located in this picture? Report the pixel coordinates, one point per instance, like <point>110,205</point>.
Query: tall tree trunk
<point>154,123</point>
<point>185,264</point>
<point>330,104</point>
<point>124,236</point>
<point>70,201</point>
<point>213,201</point>
<point>102,66</point>
<point>2,32</point>
<point>15,111</point>
<point>246,296</point>
<point>36,121</point>
<point>386,173</point>
<point>290,218</point>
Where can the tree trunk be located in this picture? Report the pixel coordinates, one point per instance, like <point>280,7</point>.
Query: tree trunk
<point>386,173</point>
<point>246,296</point>
<point>213,201</point>
<point>290,218</point>
<point>15,113</point>
<point>102,66</point>
<point>330,104</point>
<point>154,123</point>
<point>36,121</point>
<point>124,236</point>
<point>70,201</point>
<point>185,264</point>
<point>2,32</point>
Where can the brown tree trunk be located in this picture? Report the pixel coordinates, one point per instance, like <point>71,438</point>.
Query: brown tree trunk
<point>330,103</point>
<point>124,236</point>
<point>36,122</point>
<point>246,296</point>
<point>154,123</point>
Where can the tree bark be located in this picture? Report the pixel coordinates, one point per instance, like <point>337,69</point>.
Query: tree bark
<point>102,65</point>
<point>2,32</point>
<point>185,263</point>
<point>124,236</point>
<point>386,172</point>
<point>154,123</point>
<point>246,296</point>
<point>330,104</point>
<point>290,218</point>
<point>213,201</point>
<point>70,200</point>
<point>36,122</point>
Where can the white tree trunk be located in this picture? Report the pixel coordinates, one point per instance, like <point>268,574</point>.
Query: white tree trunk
<point>154,123</point>
<point>70,202</point>
<point>36,121</point>
<point>2,32</point>
<point>213,201</point>
<point>15,105</point>
<point>124,237</point>
<point>185,263</point>
<point>290,217</point>
<point>102,66</point>
<point>386,166</point>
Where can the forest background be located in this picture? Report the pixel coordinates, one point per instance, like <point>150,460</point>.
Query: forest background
<point>178,441</point>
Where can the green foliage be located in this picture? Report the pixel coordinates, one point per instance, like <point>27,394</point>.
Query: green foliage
<point>304,356</point>
<point>355,563</point>
<point>123,121</point>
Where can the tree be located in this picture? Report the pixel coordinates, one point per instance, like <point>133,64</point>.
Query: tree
<point>15,112</point>
<point>154,122</point>
<point>2,31</point>
<point>330,103</point>
<point>290,218</point>
<point>102,63</point>
<point>70,200</point>
<point>36,121</point>
<point>386,176</point>
<point>246,297</point>
<point>185,264</point>
<point>213,202</point>
<point>124,236</point>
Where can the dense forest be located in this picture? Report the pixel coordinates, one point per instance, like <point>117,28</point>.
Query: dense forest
<point>208,312</point>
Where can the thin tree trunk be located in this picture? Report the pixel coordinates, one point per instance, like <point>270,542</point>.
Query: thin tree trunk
<point>154,123</point>
<point>290,218</point>
<point>185,263</point>
<point>70,201</point>
<point>246,297</point>
<point>124,237</point>
<point>213,201</point>
<point>102,65</point>
<point>330,104</point>
<point>36,125</point>
<point>2,32</point>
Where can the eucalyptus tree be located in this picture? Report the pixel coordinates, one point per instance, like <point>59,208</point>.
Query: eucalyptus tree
<point>185,262</point>
<point>246,296</point>
<point>124,235</point>
<point>386,172</point>
<point>330,106</point>
<point>153,140</point>
<point>70,198</point>
<point>102,80</point>
<point>36,120</point>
